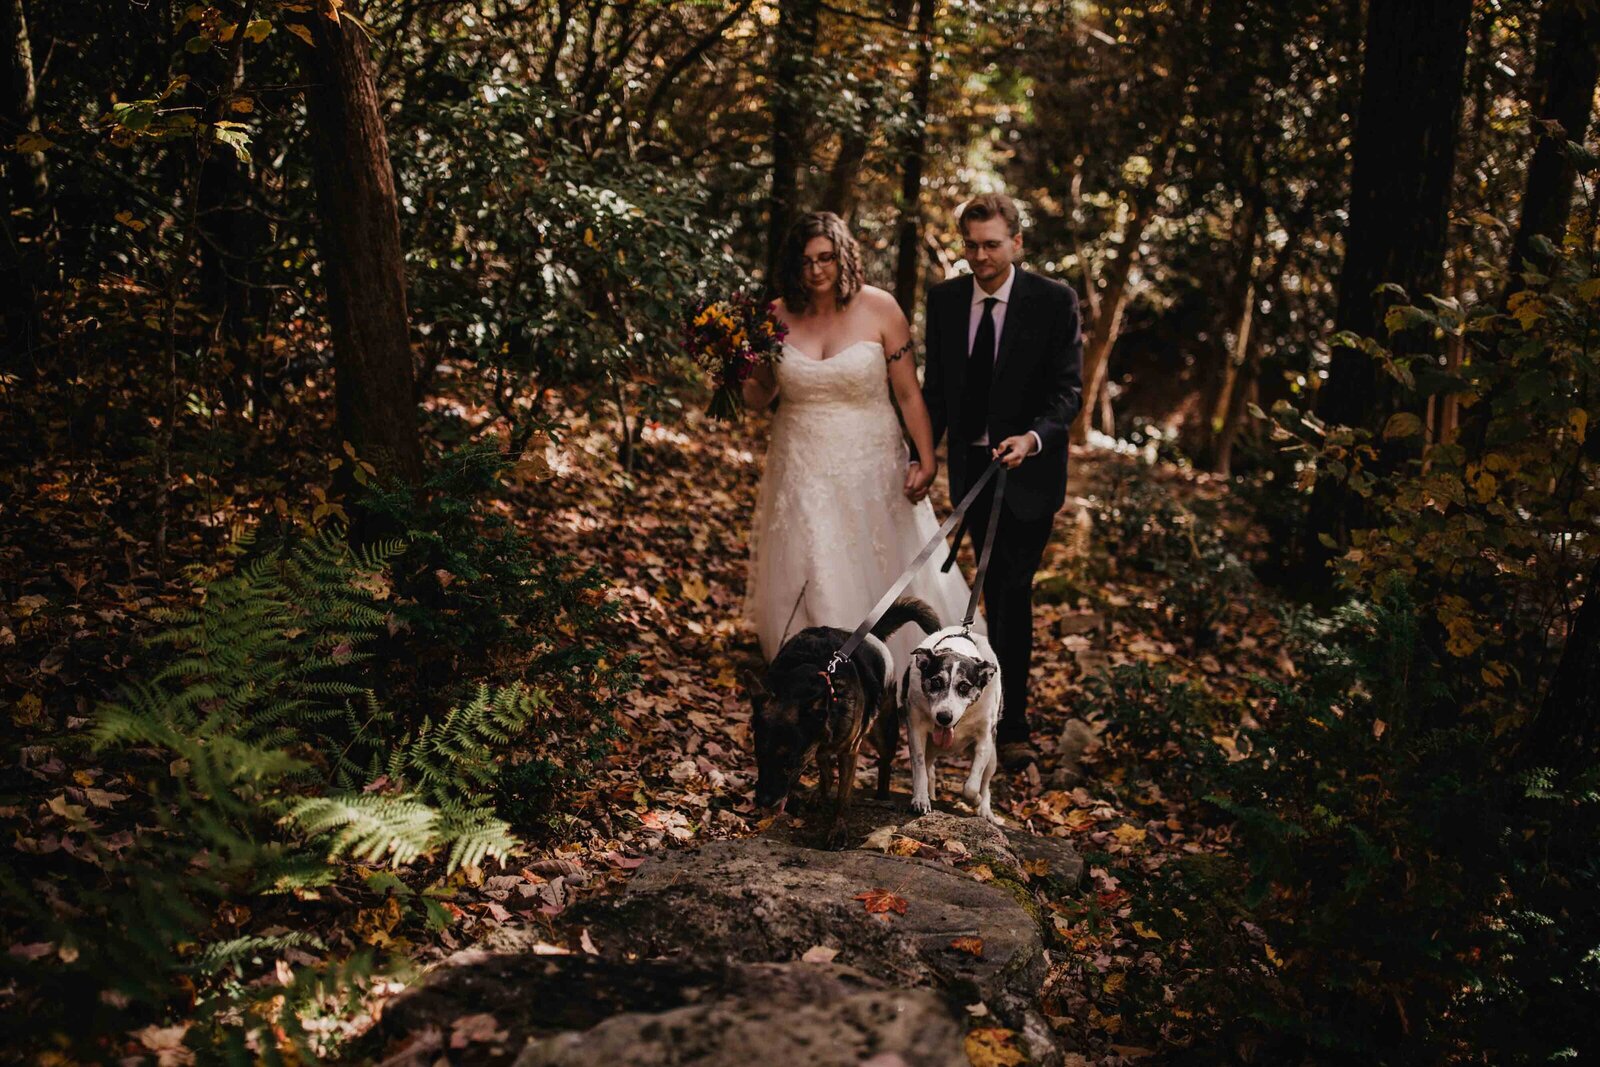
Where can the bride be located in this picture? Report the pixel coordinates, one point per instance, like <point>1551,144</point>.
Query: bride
<point>835,522</point>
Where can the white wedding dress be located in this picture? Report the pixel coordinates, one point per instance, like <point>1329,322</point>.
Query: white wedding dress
<point>833,528</point>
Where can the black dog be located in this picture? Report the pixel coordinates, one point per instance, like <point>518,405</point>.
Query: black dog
<point>800,709</point>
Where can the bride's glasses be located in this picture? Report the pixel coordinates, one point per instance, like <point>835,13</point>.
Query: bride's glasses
<point>826,259</point>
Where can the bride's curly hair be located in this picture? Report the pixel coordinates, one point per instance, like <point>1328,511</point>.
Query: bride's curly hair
<point>817,224</point>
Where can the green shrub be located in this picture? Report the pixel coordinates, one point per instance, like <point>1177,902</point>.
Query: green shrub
<point>1170,728</point>
<point>475,598</point>
<point>266,760</point>
<point>1147,528</point>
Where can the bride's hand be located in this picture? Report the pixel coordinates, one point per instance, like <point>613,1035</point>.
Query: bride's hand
<point>919,479</point>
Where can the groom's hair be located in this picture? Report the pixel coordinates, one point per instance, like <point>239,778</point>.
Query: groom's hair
<point>987,206</point>
<point>790,285</point>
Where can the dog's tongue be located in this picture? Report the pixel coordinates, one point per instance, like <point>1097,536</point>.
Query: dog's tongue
<point>943,736</point>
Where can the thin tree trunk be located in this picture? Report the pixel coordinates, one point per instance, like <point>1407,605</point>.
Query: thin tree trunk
<point>1235,321</point>
<point>26,194</point>
<point>796,42</point>
<point>1114,301</point>
<point>232,241</point>
<point>1249,370</point>
<point>841,192</point>
<point>365,271</point>
<point>908,264</point>
<point>1091,294</point>
<point>1569,61</point>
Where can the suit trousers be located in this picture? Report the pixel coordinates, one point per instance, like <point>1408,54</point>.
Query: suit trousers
<point>1008,593</point>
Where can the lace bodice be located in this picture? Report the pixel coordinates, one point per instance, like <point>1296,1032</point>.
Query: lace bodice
<point>826,405</point>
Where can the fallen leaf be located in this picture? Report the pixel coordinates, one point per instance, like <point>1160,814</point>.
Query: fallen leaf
<point>819,954</point>
<point>982,872</point>
<point>906,846</point>
<point>881,839</point>
<point>972,946</point>
<point>482,1028</point>
<point>1144,931</point>
<point>1129,835</point>
<point>167,1043</point>
<point>544,948</point>
<point>1132,1052</point>
<point>878,901</point>
<point>993,1046</point>
<point>70,812</point>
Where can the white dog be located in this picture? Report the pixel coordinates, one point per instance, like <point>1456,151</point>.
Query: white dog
<point>950,696</point>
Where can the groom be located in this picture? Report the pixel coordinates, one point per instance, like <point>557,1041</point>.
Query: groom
<point>1004,374</point>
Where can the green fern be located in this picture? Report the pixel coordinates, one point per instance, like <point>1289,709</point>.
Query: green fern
<point>371,827</point>
<point>455,758</point>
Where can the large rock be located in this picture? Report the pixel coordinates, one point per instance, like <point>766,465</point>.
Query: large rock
<point>764,900</point>
<point>1054,863</point>
<point>761,947</point>
<point>823,1015</point>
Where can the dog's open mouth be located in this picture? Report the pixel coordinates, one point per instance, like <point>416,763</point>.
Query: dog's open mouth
<point>944,736</point>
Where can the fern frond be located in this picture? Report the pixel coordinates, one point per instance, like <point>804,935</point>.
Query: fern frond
<point>368,827</point>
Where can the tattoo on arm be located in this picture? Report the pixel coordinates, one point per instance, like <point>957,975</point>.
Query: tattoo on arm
<point>904,350</point>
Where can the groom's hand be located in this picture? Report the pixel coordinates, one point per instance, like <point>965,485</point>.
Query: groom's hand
<point>919,480</point>
<point>1013,450</point>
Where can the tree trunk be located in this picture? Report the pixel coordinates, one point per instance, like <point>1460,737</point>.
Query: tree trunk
<point>908,263</point>
<point>1235,318</point>
<point>1567,728</point>
<point>796,42</point>
<point>1113,302</point>
<point>1248,373</point>
<point>1404,159</point>
<point>1568,68</point>
<point>234,233</point>
<point>840,195</point>
<point>26,194</point>
<point>365,271</point>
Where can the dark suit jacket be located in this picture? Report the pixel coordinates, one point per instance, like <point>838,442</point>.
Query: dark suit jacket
<point>1037,383</point>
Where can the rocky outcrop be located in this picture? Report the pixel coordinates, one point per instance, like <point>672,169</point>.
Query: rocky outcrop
<point>764,947</point>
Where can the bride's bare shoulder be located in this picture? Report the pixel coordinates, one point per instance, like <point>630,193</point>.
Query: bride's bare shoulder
<point>880,302</point>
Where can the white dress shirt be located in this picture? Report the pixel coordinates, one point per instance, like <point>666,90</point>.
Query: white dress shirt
<point>975,316</point>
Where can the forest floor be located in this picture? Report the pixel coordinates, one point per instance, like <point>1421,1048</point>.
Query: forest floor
<point>671,539</point>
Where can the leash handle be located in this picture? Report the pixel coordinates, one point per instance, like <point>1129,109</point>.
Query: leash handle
<point>848,649</point>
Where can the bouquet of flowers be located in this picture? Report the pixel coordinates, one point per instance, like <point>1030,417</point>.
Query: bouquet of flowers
<point>728,339</point>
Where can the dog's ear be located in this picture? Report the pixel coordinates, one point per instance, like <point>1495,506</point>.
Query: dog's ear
<point>922,657</point>
<point>986,671</point>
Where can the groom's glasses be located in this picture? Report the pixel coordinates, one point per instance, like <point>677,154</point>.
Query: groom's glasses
<point>826,259</point>
<point>991,247</point>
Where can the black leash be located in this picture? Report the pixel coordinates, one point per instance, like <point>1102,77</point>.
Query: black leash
<point>848,649</point>
<point>988,550</point>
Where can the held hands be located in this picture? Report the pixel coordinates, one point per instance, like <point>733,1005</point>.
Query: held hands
<point>919,479</point>
<point>1013,450</point>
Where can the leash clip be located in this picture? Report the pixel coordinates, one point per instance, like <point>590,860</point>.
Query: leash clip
<point>833,665</point>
